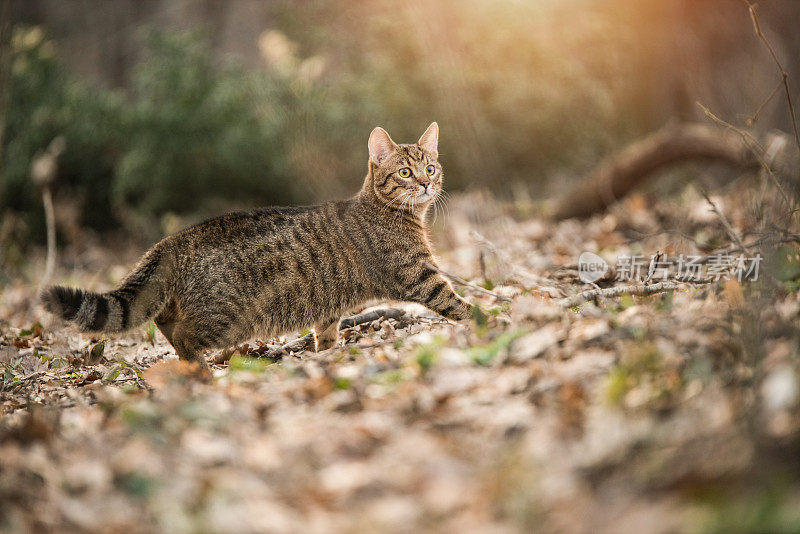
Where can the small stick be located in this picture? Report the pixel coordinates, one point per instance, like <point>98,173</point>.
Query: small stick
<point>368,317</point>
<point>752,120</point>
<point>460,281</point>
<point>728,227</point>
<point>44,168</point>
<point>638,290</point>
<point>781,70</point>
<point>768,240</point>
<point>272,352</point>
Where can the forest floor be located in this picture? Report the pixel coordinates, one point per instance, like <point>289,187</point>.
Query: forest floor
<point>677,411</point>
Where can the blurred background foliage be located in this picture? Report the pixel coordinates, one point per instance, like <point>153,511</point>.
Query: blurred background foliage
<point>189,107</point>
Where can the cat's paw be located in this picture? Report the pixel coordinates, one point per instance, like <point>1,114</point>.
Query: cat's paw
<point>463,313</point>
<point>325,343</point>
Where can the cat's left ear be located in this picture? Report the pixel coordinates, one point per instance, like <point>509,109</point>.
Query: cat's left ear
<point>430,140</point>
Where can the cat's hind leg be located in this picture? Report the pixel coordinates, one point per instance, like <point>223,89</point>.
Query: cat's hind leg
<point>187,345</point>
<point>167,319</point>
<point>327,334</point>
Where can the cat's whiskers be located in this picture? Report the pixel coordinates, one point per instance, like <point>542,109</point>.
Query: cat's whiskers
<point>395,199</point>
<point>442,198</point>
<point>406,198</point>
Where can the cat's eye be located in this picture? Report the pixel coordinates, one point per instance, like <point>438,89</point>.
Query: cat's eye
<point>430,169</point>
<point>404,173</point>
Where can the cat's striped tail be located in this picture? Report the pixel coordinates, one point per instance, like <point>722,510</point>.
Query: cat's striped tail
<point>140,296</point>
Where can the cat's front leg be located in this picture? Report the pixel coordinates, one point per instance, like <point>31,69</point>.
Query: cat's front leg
<point>433,291</point>
<point>327,333</point>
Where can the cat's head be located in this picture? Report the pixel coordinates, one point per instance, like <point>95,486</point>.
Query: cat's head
<point>405,177</point>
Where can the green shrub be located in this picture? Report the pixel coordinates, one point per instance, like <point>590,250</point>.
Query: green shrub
<point>198,134</point>
<point>44,104</point>
<point>186,137</point>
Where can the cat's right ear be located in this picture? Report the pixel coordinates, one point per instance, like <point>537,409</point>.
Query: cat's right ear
<point>380,145</point>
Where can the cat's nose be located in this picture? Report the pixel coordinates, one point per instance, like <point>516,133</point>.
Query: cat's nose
<point>425,185</point>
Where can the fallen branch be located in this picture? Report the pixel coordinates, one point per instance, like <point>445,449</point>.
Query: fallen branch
<point>272,352</point>
<point>617,175</point>
<point>276,352</point>
<point>460,281</point>
<point>637,290</point>
<point>368,317</point>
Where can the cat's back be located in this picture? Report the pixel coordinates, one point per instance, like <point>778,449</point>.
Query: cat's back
<point>319,232</point>
<point>241,226</point>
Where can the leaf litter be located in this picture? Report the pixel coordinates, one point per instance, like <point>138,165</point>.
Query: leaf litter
<point>677,411</point>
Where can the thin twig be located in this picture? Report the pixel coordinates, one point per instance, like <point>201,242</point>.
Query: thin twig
<point>752,120</point>
<point>721,216</point>
<point>523,275</point>
<point>460,281</point>
<point>639,290</point>
<point>744,134</point>
<point>651,270</point>
<point>783,73</point>
<point>747,140</point>
<point>771,240</point>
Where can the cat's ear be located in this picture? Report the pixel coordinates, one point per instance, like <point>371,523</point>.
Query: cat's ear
<point>380,145</point>
<point>430,140</point>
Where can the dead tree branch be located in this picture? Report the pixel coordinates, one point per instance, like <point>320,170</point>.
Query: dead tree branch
<point>276,352</point>
<point>617,175</point>
<point>368,317</point>
<point>638,290</point>
<point>272,352</point>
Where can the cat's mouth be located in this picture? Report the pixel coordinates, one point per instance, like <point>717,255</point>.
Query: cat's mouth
<point>426,195</point>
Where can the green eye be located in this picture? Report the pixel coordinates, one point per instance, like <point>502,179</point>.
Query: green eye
<point>430,169</point>
<point>404,173</point>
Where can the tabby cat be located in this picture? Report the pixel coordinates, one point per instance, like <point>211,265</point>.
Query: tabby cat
<point>273,270</point>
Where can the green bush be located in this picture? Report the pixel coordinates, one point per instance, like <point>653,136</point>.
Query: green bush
<point>186,137</point>
<point>198,134</point>
<point>43,105</point>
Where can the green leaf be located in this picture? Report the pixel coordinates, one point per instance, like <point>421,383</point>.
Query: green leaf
<point>151,332</point>
<point>342,383</point>
<point>111,374</point>
<point>239,362</point>
<point>484,355</point>
<point>479,317</point>
<point>96,352</point>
